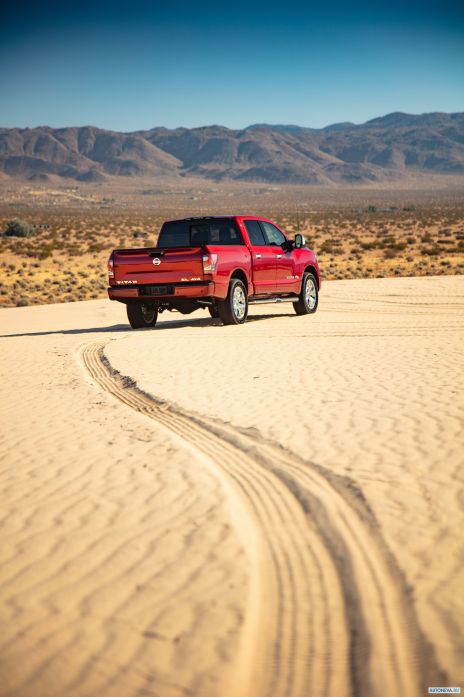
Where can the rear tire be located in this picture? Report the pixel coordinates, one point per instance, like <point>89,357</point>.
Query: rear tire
<point>234,309</point>
<point>141,316</point>
<point>309,295</point>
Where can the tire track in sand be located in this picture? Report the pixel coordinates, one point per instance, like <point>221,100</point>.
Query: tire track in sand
<point>327,612</point>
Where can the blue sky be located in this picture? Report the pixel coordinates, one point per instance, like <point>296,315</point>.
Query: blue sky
<point>136,65</point>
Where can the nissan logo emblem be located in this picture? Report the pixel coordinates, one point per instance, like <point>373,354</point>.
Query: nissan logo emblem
<point>156,261</point>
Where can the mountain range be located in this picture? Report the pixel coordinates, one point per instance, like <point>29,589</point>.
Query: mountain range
<point>387,148</point>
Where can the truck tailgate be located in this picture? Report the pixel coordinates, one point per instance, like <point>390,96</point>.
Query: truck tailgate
<point>175,265</point>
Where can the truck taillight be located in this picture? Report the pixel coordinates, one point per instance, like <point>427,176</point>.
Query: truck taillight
<point>111,266</point>
<point>209,263</point>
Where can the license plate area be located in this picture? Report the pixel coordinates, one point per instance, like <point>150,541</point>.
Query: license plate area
<point>156,290</point>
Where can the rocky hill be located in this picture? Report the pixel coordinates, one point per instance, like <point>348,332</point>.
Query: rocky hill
<point>384,149</point>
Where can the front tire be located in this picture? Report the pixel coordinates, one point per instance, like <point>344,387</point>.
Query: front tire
<point>234,309</point>
<point>309,295</point>
<point>141,316</point>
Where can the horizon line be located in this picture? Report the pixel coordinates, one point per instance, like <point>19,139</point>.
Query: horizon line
<point>249,127</point>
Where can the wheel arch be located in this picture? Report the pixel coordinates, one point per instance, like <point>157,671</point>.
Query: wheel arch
<point>311,269</point>
<point>240,274</point>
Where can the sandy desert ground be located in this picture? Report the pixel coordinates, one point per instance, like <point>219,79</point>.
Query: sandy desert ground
<point>270,510</point>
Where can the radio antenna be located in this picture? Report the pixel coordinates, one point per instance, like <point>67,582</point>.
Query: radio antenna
<point>297,218</point>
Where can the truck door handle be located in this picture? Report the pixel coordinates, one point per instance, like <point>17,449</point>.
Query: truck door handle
<point>257,256</point>
<point>279,256</point>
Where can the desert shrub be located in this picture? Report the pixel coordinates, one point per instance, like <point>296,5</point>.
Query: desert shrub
<point>19,228</point>
<point>97,247</point>
<point>330,246</point>
<point>431,251</point>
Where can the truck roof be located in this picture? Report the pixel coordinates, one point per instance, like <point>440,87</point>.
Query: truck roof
<point>217,217</point>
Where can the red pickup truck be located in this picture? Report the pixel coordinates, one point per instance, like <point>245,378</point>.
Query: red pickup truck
<point>220,263</point>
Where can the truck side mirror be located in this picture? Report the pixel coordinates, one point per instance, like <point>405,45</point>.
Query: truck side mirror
<point>299,241</point>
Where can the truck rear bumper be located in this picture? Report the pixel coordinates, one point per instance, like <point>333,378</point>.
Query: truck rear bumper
<point>164,291</point>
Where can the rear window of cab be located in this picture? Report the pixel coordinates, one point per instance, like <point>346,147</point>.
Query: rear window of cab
<point>189,233</point>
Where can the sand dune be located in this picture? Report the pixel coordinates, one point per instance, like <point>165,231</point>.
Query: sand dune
<point>273,510</point>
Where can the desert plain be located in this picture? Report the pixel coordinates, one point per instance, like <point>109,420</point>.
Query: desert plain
<point>267,510</point>
<point>406,229</point>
